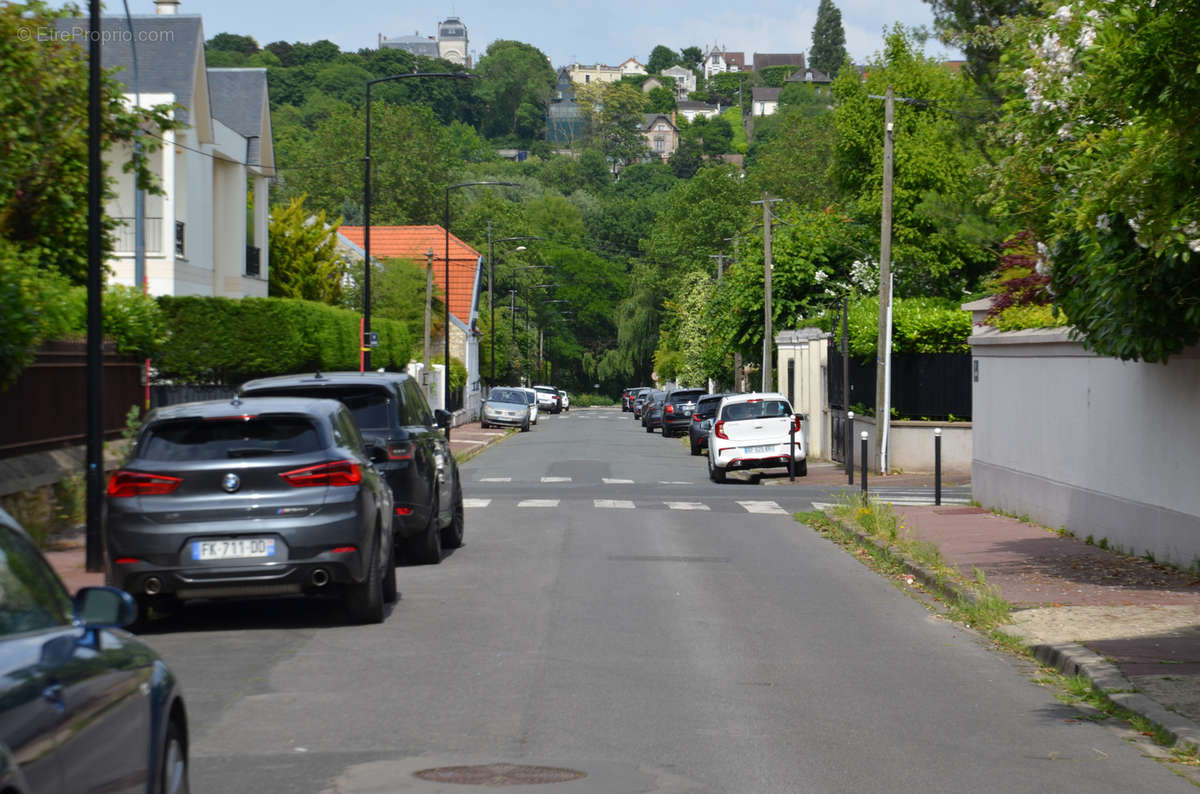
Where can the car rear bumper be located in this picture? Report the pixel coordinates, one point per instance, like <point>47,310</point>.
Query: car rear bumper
<point>731,458</point>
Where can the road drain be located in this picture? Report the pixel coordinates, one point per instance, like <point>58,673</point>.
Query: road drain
<point>499,775</point>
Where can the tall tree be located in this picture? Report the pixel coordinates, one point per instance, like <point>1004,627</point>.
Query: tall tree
<point>828,40</point>
<point>304,258</point>
<point>516,81</point>
<point>971,26</point>
<point>614,111</point>
<point>661,57</point>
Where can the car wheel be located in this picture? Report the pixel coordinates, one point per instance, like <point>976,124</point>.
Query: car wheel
<point>715,473</point>
<point>173,773</point>
<point>390,593</point>
<point>452,535</point>
<point>695,447</point>
<point>525,427</point>
<point>364,600</point>
<point>802,468</point>
<point>649,428</point>
<point>426,548</point>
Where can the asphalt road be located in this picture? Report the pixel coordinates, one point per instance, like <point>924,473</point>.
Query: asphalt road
<point>614,613</point>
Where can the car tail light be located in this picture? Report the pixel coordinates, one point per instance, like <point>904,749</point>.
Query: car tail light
<point>126,561</point>
<point>344,550</point>
<point>124,484</point>
<point>404,511</point>
<point>696,418</point>
<point>400,451</point>
<point>719,430</point>
<point>796,424</point>
<point>670,409</point>
<point>337,473</point>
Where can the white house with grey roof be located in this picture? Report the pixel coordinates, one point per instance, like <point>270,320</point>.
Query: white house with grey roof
<point>198,238</point>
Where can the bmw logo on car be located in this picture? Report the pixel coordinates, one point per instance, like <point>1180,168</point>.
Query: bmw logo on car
<point>231,482</point>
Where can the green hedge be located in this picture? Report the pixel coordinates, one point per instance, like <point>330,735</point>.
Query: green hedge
<point>919,325</point>
<point>221,340</point>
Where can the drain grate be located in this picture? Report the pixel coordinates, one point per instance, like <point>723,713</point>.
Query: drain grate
<point>499,775</point>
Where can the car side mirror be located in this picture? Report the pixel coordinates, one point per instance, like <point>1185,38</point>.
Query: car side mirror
<point>104,608</point>
<point>442,418</point>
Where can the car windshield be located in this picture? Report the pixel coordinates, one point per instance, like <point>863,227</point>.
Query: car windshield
<point>368,405</point>
<point>234,437</point>
<point>507,396</point>
<point>755,409</point>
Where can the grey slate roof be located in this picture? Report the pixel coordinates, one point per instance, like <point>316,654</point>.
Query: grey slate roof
<point>166,51</point>
<point>765,94</point>
<point>238,99</point>
<point>691,104</point>
<point>764,59</point>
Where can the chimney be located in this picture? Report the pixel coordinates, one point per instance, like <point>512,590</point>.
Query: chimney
<point>166,7</point>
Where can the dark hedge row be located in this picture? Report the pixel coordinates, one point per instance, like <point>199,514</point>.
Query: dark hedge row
<point>220,340</point>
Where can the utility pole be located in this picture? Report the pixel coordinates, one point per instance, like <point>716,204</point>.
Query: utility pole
<point>766,202</point>
<point>882,391</point>
<point>491,308</point>
<point>720,265</point>
<point>425,373</point>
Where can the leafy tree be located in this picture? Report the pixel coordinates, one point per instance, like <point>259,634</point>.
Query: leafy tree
<point>596,174</point>
<point>809,99</point>
<point>230,42</point>
<point>1103,166</point>
<point>691,57</point>
<point>614,112</point>
<point>660,100</point>
<point>732,88</point>
<point>828,40</point>
<point>696,217</point>
<point>645,180</point>
<point>793,156</point>
<point>281,50</point>
<point>346,82</point>
<point>397,293</point>
<point>971,26</point>
<point>318,52</point>
<point>776,76</point>
<point>687,159</point>
<point>516,81</point>
<point>661,57</point>
<point>305,262</point>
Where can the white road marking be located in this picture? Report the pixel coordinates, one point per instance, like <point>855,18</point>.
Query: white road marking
<point>674,482</point>
<point>611,481</point>
<point>468,502</point>
<point>538,503</point>
<point>556,479</point>
<point>770,508</point>
<point>495,479</point>
<point>623,504</point>
<point>686,505</point>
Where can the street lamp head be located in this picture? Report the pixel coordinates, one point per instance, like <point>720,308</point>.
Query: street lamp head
<point>520,248</point>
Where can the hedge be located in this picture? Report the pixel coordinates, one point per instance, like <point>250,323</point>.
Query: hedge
<point>919,325</point>
<point>223,340</point>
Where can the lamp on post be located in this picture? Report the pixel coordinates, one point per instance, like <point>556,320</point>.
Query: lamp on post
<point>366,359</point>
<point>446,292</point>
<point>492,283</point>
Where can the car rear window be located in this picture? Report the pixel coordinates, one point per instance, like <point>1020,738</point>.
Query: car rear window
<point>368,405</point>
<point>758,409</point>
<point>507,396</point>
<point>686,395</point>
<point>235,437</point>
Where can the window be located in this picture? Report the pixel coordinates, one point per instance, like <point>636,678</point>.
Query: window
<point>418,409</point>
<point>215,439</point>
<point>659,145</point>
<point>31,597</point>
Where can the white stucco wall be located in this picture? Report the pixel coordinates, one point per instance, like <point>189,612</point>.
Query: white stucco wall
<point>1103,447</point>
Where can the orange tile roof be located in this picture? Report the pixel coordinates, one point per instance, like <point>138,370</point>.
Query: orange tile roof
<point>412,242</point>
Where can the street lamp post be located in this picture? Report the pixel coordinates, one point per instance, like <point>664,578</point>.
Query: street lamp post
<point>367,201</point>
<point>492,283</point>
<point>446,292</point>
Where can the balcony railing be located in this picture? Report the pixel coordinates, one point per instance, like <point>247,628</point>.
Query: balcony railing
<point>180,229</point>
<point>253,259</point>
<point>152,236</point>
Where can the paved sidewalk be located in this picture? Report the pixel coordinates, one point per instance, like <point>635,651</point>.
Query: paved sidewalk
<point>1132,627</point>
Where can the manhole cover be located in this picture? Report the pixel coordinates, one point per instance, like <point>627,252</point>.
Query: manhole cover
<point>499,775</point>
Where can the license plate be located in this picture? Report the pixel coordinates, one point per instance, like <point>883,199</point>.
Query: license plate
<point>239,549</point>
<point>752,450</point>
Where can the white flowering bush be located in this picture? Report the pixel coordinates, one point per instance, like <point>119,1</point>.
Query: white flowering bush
<point>1103,163</point>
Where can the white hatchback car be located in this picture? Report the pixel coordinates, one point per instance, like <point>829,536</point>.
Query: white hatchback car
<point>532,397</point>
<point>755,431</point>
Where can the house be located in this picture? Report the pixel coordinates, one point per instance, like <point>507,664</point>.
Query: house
<point>762,60</point>
<point>811,76</point>
<point>466,271</point>
<point>417,44</point>
<point>196,232</point>
<point>685,80</point>
<point>764,100</point>
<point>631,66</point>
<point>719,61</point>
<point>564,118</point>
<point>596,73</point>
<point>662,136</point>
<point>690,109</point>
<point>651,83</point>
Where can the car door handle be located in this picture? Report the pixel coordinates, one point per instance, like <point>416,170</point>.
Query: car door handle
<point>53,693</point>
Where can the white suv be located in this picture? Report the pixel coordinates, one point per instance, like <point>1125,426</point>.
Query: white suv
<point>754,431</point>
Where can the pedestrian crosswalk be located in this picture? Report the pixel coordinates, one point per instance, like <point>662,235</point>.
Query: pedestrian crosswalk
<point>908,497</point>
<point>760,507</point>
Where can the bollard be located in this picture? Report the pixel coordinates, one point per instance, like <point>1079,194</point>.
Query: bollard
<point>850,447</point>
<point>937,465</point>
<point>864,463</point>
<point>792,452</point>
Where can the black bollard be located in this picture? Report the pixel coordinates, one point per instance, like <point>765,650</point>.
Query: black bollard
<point>864,464</point>
<point>850,447</point>
<point>792,451</point>
<point>937,465</point>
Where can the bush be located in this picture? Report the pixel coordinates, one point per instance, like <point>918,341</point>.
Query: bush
<point>919,325</point>
<point>221,340</point>
<point>33,307</point>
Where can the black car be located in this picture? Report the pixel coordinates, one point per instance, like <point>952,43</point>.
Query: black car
<point>83,705</point>
<point>260,496</point>
<point>702,416</point>
<point>393,414</point>
<point>677,410</point>
<point>639,401</point>
<point>652,410</point>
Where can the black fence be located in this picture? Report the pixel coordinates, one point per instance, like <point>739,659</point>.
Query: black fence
<point>924,386</point>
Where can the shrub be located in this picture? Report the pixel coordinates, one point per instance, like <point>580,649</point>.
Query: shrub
<point>33,308</point>
<point>919,325</point>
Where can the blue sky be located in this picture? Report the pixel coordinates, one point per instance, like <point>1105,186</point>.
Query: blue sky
<point>569,31</point>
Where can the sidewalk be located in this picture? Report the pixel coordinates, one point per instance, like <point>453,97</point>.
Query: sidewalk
<point>1128,625</point>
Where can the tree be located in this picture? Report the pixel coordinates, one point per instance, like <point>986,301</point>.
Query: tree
<point>691,57</point>
<point>397,293</point>
<point>794,162</point>
<point>686,160</point>
<point>1103,166</point>
<point>828,40</point>
<point>660,100</point>
<point>516,81</point>
<point>661,57</point>
<point>614,112</point>
<point>305,262</point>
<point>971,26</point>
<point>230,42</point>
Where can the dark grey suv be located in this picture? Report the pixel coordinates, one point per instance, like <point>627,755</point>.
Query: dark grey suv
<point>677,410</point>
<point>253,497</point>
<point>394,416</point>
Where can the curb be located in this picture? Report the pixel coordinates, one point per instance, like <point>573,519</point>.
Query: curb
<point>1070,659</point>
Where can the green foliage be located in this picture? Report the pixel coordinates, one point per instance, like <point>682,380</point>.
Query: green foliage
<point>794,163</point>
<point>305,262</point>
<point>614,113</point>
<point>1017,318</point>
<point>1102,164</point>
<point>776,76</point>
<point>687,159</point>
<point>397,293</point>
<point>516,81</point>
<point>230,42</point>
<point>919,325</point>
<point>661,57</point>
<point>32,309</point>
<point>971,25</point>
<point>220,340</point>
<point>829,40</point>
<point>660,100</point>
<point>696,217</point>
<point>458,372</point>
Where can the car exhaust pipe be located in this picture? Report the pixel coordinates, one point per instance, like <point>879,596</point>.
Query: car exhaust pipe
<point>152,586</point>
<point>320,577</point>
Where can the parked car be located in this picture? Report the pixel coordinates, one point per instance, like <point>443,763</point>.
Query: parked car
<point>84,706</point>
<point>548,399</point>
<point>627,396</point>
<point>507,407</point>
<point>652,411</point>
<point>531,400</point>
<point>702,416</point>
<point>639,401</point>
<point>566,399</point>
<point>677,410</point>
<point>251,497</point>
<point>394,416</point>
<point>753,431</point>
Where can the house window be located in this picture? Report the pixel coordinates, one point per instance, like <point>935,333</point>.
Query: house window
<point>660,145</point>
<point>180,230</point>
<point>587,78</point>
